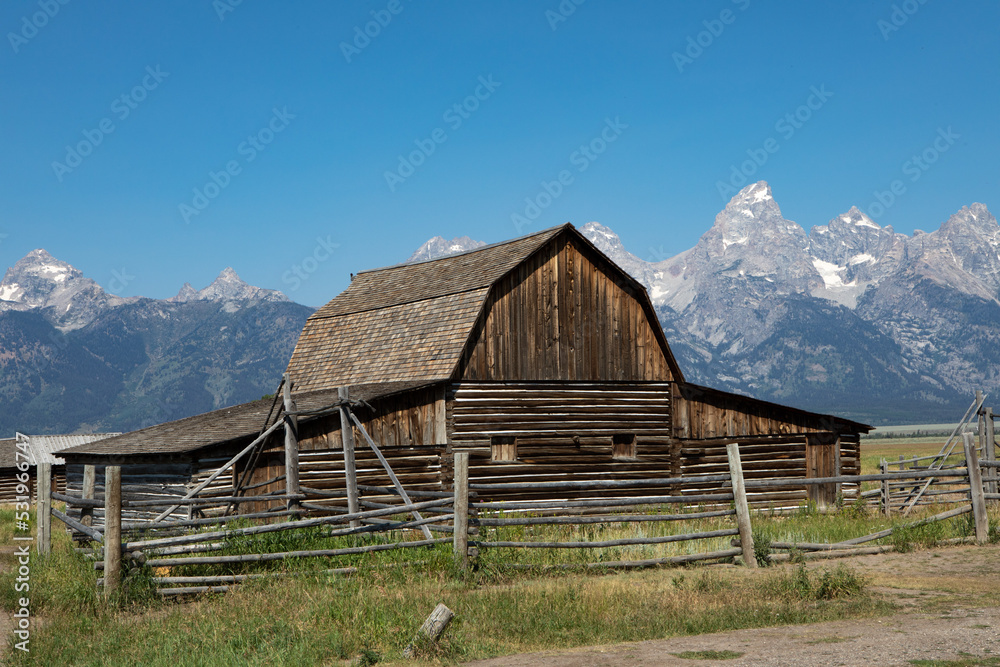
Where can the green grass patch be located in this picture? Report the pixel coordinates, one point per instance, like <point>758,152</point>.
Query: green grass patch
<point>967,661</point>
<point>708,655</point>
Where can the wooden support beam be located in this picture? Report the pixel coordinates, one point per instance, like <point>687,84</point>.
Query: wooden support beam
<point>461,490</point>
<point>976,491</point>
<point>43,508</point>
<point>112,529</point>
<point>392,476</point>
<point>89,484</point>
<point>742,510</point>
<point>291,445</point>
<point>350,471</point>
<point>440,417</point>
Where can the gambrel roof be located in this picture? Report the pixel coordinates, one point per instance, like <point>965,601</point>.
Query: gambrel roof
<point>412,321</point>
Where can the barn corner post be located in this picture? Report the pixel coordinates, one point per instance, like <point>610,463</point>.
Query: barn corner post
<point>461,521</point>
<point>89,486</point>
<point>976,490</point>
<point>43,508</point>
<point>350,471</point>
<point>291,448</point>
<point>742,508</point>
<point>112,529</point>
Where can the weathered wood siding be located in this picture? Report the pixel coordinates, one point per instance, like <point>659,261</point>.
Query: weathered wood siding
<point>563,315</point>
<point>408,428</point>
<point>558,410</point>
<point>701,414</point>
<point>9,482</point>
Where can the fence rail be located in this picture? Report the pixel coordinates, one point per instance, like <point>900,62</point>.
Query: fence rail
<point>393,515</point>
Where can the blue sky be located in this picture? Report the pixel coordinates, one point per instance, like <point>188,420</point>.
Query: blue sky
<point>174,139</point>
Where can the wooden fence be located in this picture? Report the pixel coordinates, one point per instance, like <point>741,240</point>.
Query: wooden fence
<point>458,515</point>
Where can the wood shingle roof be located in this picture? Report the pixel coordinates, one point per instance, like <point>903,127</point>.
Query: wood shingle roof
<point>405,322</point>
<point>219,427</point>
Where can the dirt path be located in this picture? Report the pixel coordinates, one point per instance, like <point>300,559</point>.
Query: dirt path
<point>949,608</point>
<point>6,620</point>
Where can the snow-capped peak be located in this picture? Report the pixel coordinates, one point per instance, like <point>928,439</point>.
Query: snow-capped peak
<point>229,287</point>
<point>437,246</point>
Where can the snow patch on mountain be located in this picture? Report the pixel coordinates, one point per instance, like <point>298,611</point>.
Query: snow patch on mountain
<point>71,301</point>
<point>437,246</point>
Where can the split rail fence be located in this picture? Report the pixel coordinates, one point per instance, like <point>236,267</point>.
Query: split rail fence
<point>461,516</point>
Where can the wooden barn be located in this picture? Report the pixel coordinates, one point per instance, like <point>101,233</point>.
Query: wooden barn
<point>539,356</point>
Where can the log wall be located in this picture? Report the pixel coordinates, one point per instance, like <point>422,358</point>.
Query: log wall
<point>8,482</point>
<point>481,410</point>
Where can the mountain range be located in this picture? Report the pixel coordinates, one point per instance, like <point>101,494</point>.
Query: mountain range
<point>849,318</point>
<point>74,358</point>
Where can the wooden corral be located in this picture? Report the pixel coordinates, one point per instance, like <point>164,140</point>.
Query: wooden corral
<point>539,357</point>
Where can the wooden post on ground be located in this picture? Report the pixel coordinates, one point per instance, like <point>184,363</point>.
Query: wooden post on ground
<point>89,485</point>
<point>742,509</point>
<point>350,472</point>
<point>291,446</point>
<point>976,485</point>
<point>112,529</point>
<point>886,500</point>
<point>432,628</point>
<point>990,453</point>
<point>461,523</point>
<point>43,508</point>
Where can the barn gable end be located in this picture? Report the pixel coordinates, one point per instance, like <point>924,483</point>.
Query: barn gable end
<point>567,313</point>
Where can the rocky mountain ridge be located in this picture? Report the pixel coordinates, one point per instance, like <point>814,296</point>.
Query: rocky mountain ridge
<point>849,318</point>
<point>74,358</point>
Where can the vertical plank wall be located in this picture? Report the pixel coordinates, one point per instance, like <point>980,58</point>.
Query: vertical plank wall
<point>564,315</point>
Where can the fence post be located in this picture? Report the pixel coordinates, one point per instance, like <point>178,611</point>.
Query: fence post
<point>89,485</point>
<point>742,509</point>
<point>976,490</point>
<point>991,450</point>
<point>43,507</point>
<point>350,472</point>
<point>886,500</point>
<point>291,446</point>
<point>461,523</point>
<point>112,529</point>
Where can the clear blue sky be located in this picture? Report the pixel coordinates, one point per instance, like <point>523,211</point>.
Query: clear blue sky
<point>891,82</point>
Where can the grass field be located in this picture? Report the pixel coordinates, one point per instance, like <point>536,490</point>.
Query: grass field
<point>314,619</point>
<point>308,618</point>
